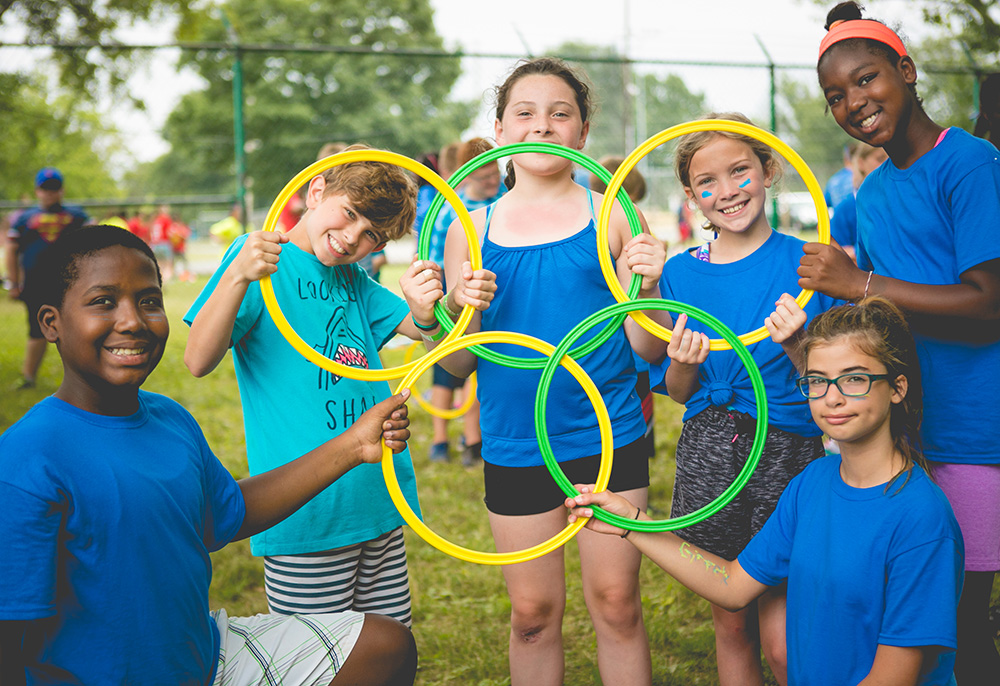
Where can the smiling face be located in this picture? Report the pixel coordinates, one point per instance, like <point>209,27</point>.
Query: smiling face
<point>729,185</point>
<point>852,420</point>
<point>869,96</point>
<point>110,330</point>
<point>542,108</point>
<point>332,229</point>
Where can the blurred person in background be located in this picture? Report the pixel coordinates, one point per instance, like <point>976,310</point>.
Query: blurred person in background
<point>29,237</point>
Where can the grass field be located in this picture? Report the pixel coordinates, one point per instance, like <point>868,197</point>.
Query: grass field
<point>460,609</point>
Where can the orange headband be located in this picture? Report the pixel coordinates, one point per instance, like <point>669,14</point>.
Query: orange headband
<point>861,28</point>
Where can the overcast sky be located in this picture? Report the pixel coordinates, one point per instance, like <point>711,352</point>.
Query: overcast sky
<point>692,30</point>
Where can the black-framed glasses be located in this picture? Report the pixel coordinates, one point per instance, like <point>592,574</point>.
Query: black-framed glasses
<point>851,385</point>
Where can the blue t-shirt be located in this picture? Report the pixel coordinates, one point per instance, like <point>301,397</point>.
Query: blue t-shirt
<point>291,406</point>
<point>927,224</point>
<point>37,228</point>
<point>868,566</point>
<point>106,529</point>
<point>844,222</point>
<point>838,187</point>
<point>741,295</point>
<point>544,291</point>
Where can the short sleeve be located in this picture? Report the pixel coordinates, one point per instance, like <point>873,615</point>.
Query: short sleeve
<point>975,207</point>
<point>921,595</point>
<point>29,528</point>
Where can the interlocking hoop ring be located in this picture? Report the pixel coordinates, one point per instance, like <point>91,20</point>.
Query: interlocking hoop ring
<point>604,217</point>
<point>434,410</point>
<point>270,222</point>
<point>756,448</point>
<point>588,163</point>
<point>603,474</point>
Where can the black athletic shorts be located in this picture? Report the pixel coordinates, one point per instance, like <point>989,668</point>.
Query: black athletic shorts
<point>533,490</point>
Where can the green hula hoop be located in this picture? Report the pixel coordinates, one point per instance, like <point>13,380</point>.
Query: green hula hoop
<point>588,163</point>
<point>541,399</point>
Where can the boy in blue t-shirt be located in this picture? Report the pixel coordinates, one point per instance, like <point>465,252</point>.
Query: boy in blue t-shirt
<point>113,501</point>
<point>344,550</point>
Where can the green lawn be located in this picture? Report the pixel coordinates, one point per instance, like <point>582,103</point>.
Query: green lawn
<point>460,609</point>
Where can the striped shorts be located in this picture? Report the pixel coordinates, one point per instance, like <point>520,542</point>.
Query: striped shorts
<point>278,649</point>
<point>365,577</point>
<point>711,451</point>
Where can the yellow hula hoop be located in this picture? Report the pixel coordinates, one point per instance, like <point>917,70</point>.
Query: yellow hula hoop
<point>603,422</point>
<point>434,410</point>
<point>604,217</point>
<point>270,222</point>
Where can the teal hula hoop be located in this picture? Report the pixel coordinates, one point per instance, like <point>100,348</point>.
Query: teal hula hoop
<point>588,163</point>
<point>541,399</point>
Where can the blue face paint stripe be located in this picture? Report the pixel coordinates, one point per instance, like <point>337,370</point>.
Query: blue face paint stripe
<point>745,183</point>
<point>706,194</point>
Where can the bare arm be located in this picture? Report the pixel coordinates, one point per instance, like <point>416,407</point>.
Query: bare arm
<point>786,326</point>
<point>717,580</point>
<point>643,255</point>
<point>687,350</point>
<point>274,495</point>
<point>828,269</point>
<point>212,328</point>
<point>895,666</point>
<point>456,256</point>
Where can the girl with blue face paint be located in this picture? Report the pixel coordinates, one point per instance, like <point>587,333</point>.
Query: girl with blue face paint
<point>742,277</point>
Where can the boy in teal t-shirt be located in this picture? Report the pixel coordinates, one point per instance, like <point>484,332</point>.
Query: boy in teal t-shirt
<point>344,550</point>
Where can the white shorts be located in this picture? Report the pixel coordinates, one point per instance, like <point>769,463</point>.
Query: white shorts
<point>293,650</point>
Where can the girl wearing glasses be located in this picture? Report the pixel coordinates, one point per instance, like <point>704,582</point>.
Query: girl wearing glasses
<point>867,543</point>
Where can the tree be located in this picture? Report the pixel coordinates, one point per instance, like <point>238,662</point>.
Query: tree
<point>973,23</point>
<point>57,132</point>
<point>51,21</point>
<point>660,101</point>
<point>807,126</point>
<point>296,100</point>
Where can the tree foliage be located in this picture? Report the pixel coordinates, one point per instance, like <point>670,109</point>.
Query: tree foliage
<point>295,101</point>
<point>658,101</point>
<point>57,21</point>
<point>38,132</point>
<point>806,125</point>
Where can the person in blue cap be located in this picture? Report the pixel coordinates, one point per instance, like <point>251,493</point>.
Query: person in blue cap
<point>30,235</point>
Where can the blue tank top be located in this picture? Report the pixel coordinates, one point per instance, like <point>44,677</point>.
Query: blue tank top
<point>544,291</point>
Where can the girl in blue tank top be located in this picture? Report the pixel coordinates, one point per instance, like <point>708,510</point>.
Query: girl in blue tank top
<point>539,244</point>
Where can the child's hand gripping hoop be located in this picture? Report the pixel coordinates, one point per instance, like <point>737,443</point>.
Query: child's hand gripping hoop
<point>303,177</point>
<point>603,474</point>
<point>424,242</point>
<point>604,217</point>
<point>755,379</point>
<point>433,410</point>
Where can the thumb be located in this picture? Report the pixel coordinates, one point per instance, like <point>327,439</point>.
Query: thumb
<point>466,270</point>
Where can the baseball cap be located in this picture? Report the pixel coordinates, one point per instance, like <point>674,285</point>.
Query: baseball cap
<point>49,178</point>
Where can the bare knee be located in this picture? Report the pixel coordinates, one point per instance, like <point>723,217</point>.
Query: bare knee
<point>533,621</point>
<point>385,655</point>
<point>733,627</point>
<point>616,607</point>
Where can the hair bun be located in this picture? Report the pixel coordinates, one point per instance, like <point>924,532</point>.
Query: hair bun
<point>845,11</point>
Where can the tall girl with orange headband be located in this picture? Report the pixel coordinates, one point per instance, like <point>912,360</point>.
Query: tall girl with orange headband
<point>928,221</point>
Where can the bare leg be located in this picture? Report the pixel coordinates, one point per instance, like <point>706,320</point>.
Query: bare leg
<point>737,646</point>
<point>976,658</point>
<point>34,351</point>
<point>385,655</point>
<point>537,591</point>
<point>610,568</point>
<point>771,615</point>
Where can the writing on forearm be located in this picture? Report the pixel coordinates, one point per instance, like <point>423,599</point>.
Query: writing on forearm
<point>690,553</point>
